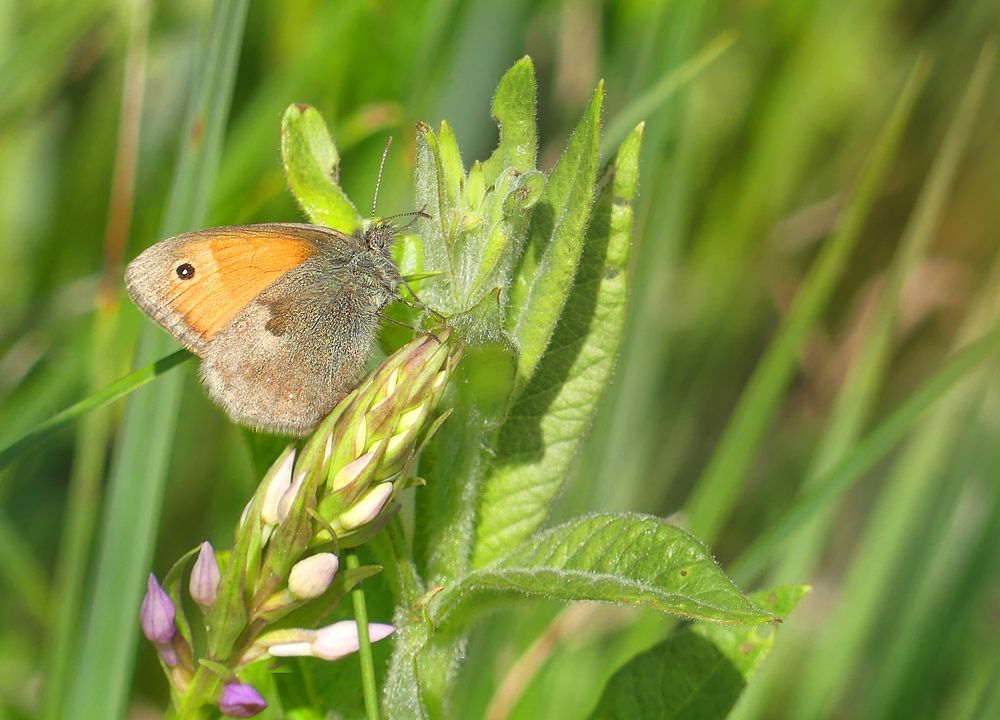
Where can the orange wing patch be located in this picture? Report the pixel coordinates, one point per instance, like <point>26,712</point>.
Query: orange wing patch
<point>232,269</point>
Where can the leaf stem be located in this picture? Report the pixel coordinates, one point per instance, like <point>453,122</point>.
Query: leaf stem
<point>197,697</point>
<point>365,646</point>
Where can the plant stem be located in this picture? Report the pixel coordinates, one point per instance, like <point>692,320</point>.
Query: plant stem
<point>365,646</point>
<point>197,697</point>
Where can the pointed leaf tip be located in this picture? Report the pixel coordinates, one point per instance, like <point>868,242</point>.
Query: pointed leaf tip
<point>311,165</point>
<point>513,108</point>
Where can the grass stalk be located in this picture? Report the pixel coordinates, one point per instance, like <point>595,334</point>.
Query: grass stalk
<point>142,454</point>
<point>365,650</point>
<point>716,492</point>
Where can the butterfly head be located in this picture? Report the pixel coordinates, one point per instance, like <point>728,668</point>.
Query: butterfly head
<point>380,234</point>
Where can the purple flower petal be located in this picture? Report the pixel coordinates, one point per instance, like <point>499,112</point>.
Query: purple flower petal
<point>157,613</point>
<point>241,700</point>
<point>205,577</point>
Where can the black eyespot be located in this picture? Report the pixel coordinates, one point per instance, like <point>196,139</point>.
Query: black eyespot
<point>185,271</point>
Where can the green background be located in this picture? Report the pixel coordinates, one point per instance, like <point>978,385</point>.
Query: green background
<point>761,117</point>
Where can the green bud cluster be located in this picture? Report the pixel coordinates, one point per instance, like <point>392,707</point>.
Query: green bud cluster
<point>334,492</point>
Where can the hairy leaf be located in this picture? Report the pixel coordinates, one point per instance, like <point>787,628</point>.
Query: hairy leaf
<point>311,165</point>
<point>622,558</point>
<point>549,420</point>
<point>555,242</point>
<point>475,233</point>
<point>514,111</point>
<point>697,672</point>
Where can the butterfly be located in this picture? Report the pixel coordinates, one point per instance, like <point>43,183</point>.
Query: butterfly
<point>282,315</point>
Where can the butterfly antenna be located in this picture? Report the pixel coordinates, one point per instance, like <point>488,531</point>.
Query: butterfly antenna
<point>413,214</point>
<point>381,167</point>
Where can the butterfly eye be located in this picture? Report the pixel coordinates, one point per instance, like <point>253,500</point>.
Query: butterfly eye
<point>185,271</point>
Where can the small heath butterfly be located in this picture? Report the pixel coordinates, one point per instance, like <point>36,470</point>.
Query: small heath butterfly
<point>283,316</point>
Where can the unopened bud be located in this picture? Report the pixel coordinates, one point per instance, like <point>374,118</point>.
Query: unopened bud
<point>311,577</point>
<point>341,638</point>
<point>205,577</point>
<point>289,496</point>
<point>278,480</point>
<point>291,649</point>
<point>360,437</point>
<point>367,508</point>
<point>241,701</point>
<point>157,613</point>
<point>356,470</point>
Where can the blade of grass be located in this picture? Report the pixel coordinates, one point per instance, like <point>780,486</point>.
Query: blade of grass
<point>646,104</point>
<point>947,627</point>
<point>879,442</point>
<point>115,391</point>
<point>95,431</point>
<point>715,494</point>
<point>22,573</point>
<point>860,392</point>
<point>932,560</point>
<point>886,535</point>
<point>139,467</point>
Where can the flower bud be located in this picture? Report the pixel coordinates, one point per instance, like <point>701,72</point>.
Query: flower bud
<point>291,649</point>
<point>387,413</point>
<point>356,471</point>
<point>241,701</point>
<point>289,496</point>
<point>328,643</point>
<point>157,613</point>
<point>278,480</point>
<point>168,654</point>
<point>311,577</point>
<point>341,638</point>
<point>205,577</point>
<point>367,508</point>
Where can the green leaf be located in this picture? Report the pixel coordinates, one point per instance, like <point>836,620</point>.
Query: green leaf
<point>514,111</point>
<point>504,216</point>
<point>747,646</point>
<point>451,162</point>
<point>312,166</point>
<point>697,672</point>
<point>555,242</point>
<point>475,234</point>
<point>544,430</point>
<point>458,456</point>
<point>685,676</point>
<point>622,558</point>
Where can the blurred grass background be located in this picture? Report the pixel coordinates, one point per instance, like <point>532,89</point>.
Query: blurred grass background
<point>751,167</point>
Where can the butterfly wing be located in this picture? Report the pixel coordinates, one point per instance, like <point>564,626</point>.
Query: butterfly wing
<point>195,284</point>
<point>285,361</point>
<point>282,316</point>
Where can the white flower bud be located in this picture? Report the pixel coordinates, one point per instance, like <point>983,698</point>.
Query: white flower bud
<point>311,577</point>
<point>277,485</point>
<point>367,508</point>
